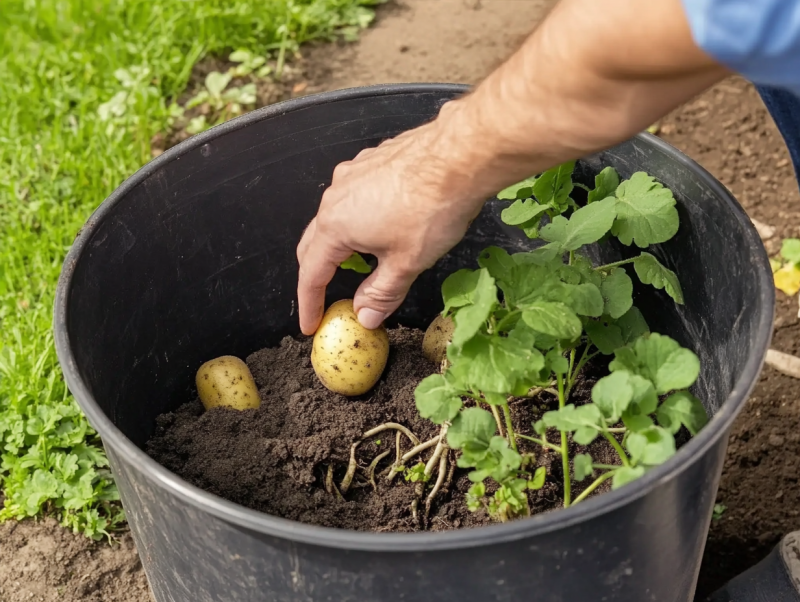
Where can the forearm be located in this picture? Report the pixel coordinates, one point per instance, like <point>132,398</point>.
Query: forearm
<point>572,88</point>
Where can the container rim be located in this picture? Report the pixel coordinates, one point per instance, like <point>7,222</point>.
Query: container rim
<point>398,542</point>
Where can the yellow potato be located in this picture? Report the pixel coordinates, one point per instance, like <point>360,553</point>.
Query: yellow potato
<point>437,338</point>
<point>226,381</point>
<point>348,358</point>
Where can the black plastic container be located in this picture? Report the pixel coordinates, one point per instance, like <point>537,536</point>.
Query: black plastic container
<point>194,256</point>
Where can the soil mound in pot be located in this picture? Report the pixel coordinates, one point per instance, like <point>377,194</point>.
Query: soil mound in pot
<point>274,459</point>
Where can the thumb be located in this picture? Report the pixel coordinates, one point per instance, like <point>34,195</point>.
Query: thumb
<point>382,293</point>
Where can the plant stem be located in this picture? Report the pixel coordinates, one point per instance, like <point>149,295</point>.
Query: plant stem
<point>605,466</point>
<point>571,257</point>
<point>622,455</point>
<point>574,370</point>
<point>512,439</point>
<point>497,419</point>
<point>616,264</point>
<point>621,429</point>
<point>506,319</point>
<point>564,447</point>
<point>544,444</point>
<point>588,491</point>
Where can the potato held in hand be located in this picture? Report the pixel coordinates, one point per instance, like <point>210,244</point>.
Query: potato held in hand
<point>226,381</point>
<point>348,358</point>
<point>437,338</point>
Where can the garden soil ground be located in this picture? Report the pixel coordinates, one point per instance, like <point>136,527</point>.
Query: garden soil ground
<point>727,130</point>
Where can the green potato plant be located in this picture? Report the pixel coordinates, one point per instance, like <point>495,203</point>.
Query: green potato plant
<point>528,322</point>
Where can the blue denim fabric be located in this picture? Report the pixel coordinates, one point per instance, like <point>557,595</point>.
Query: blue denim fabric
<point>784,107</point>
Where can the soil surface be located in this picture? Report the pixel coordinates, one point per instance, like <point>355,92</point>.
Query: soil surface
<point>43,562</point>
<point>727,130</point>
<point>275,459</point>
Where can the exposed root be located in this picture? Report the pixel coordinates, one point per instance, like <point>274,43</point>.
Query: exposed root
<point>437,453</point>
<point>391,425</point>
<point>439,482</point>
<point>373,465</point>
<point>351,469</point>
<point>330,486</point>
<point>396,467</point>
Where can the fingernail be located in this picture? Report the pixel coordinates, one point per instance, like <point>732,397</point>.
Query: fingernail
<point>370,318</point>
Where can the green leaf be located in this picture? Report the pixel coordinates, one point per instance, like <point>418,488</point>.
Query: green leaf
<point>790,250</point>
<point>499,263</point>
<point>216,82</point>
<point>520,190</point>
<point>636,422</point>
<point>458,289</point>
<point>632,325</point>
<point>537,482</point>
<point>650,271</point>
<point>582,465</point>
<point>586,225</point>
<point>606,336</point>
<point>471,318</point>
<point>555,185</point>
<point>554,319</point>
<point>539,427</point>
<point>586,270</point>
<point>625,475</point>
<point>617,291</point>
<point>646,213</point>
<point>605,184</point>
<point>436,399</point>
<point>356,263</point>
<point>612,394</point>
<point>651,447</point>
<point>587,418</point>
<point>682,408</point>
<point>585,299</point>
<point>474,497</point>
<point>492,363</point>
<point>556,362</point>
<point>473,426</point>
<point>522,212</point>
<point>659,359</point>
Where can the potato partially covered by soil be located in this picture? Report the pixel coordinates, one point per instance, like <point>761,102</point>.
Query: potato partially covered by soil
<point>226,381</point>
<point>348,358</point>
<point>437,338</point>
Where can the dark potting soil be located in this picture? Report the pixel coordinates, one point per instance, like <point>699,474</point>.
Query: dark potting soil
<point>274,459</point>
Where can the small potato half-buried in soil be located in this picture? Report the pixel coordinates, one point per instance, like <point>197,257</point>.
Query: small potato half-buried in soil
<point>348,358</point>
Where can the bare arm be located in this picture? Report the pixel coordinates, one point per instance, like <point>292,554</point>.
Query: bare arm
<point>592,74</point>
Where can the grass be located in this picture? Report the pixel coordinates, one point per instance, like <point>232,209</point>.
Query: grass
<point>84,85</point>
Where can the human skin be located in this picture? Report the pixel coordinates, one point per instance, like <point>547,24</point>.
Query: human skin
<point>593,74</point>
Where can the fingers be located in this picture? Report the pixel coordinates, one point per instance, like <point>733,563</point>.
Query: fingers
<point>305,240</point>
<point>382,293</point>
<point>319,261</point>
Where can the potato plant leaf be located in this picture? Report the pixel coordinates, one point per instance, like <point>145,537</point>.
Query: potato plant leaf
<point>787,279</point>
<point>499,263</point>
<point>651,447</point>
<point>625,475</point>
<point>659,359</point>
<point>650,271</point>
<point>554,319</point>
<point>473,426</point>
<point>520,190</point>
<point>612,394</point>
<point>605,184</point>
<point>584,299</point>
<point>555,185</point>
<point>458,289</point>
<point>582,464</point>
<point>436,399</point>
<point>617,292</point>
<point>585,421</point>
<point>586,225</point>
<point>537,482</point>
<point>682,408</point>
<point>646,212</point>
<point>520,212</point>
<point>356,263</point>
<point>470,318</point>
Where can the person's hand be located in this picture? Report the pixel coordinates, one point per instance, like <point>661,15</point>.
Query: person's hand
<point>399,202</point>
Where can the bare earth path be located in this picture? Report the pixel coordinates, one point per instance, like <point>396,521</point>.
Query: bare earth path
<point>727,130</point>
